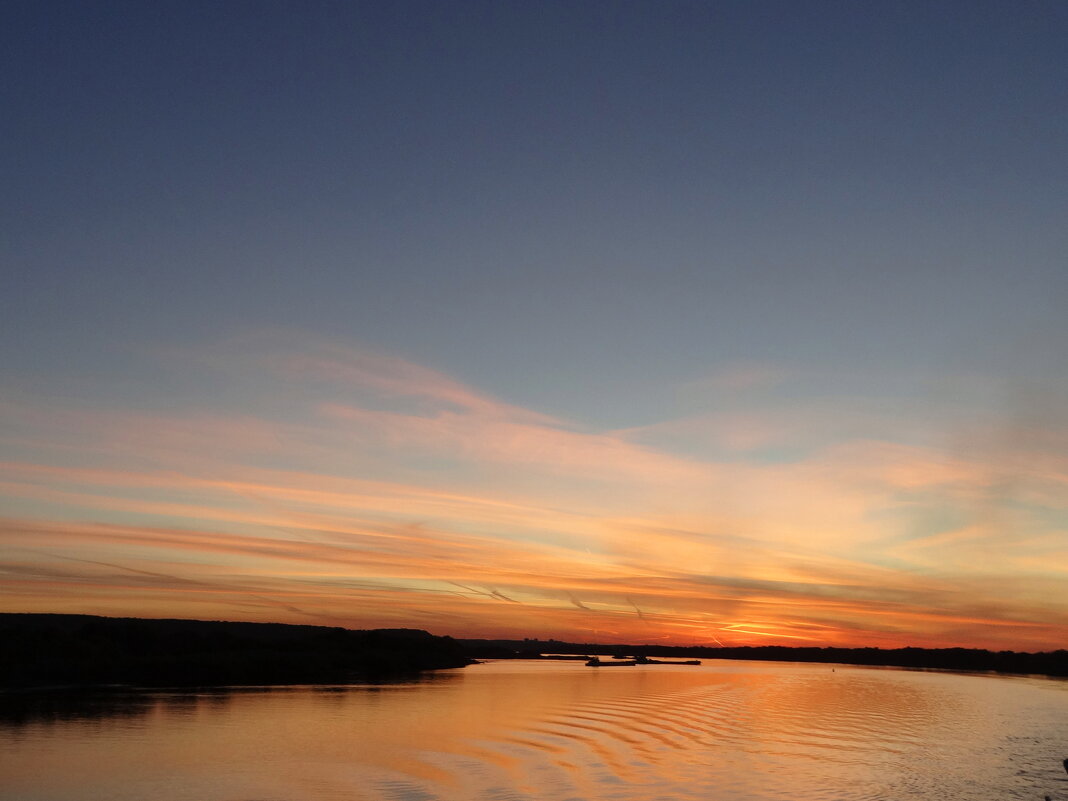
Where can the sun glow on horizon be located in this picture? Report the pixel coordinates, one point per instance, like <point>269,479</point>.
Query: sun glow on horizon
<point>453,511</point>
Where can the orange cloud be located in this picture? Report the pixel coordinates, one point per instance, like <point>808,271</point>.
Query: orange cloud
<point>392,494</point>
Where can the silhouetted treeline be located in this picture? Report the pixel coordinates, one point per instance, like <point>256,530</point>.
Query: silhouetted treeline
<point>51,650</point>
<point>1050,663</point>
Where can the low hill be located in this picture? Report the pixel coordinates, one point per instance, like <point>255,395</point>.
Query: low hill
<point>60,650</point>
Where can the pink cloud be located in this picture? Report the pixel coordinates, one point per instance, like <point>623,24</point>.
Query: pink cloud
<point>399,491</point>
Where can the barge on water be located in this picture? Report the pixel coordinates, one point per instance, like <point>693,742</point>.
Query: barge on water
<point>639,660</point>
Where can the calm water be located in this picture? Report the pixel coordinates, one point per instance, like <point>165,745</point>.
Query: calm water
<point>511,731</point>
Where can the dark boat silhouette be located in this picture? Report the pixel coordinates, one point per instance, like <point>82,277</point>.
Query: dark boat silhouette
<point>639,660</point>
<point>644,660</point>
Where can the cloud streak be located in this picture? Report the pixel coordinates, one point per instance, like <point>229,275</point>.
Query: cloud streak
<point>392,494</point>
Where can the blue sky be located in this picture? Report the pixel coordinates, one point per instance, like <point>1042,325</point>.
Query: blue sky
<point>738,233</point>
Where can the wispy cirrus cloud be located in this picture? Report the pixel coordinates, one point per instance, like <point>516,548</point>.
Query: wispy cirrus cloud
<point>380,492</point>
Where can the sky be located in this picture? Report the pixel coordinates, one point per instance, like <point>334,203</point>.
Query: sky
<point>736,323</point>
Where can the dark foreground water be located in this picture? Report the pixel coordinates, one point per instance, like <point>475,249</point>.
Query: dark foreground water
<point>511,731</point>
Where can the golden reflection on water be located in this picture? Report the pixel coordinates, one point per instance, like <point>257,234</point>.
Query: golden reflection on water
<point>516,731</point>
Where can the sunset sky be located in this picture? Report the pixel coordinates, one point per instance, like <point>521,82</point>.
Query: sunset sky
<point>718,322</point>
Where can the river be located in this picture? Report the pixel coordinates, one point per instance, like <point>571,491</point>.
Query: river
<point>554,731</point>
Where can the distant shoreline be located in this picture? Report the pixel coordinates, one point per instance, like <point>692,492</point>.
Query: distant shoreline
<point>47,652</point>
<point>1044,663</point>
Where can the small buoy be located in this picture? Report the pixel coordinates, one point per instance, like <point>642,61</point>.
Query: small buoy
<point>1066,766</point>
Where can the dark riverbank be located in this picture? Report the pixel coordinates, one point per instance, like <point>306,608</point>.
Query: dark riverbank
<point>40,650</point>
<point>43,650</point>
<point>1049,663</point>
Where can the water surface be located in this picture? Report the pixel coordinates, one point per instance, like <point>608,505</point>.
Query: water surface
<point>534,731</point>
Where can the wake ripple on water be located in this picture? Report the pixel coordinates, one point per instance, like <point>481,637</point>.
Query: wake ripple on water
<point>538,732</point>
<point>805,739</point>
